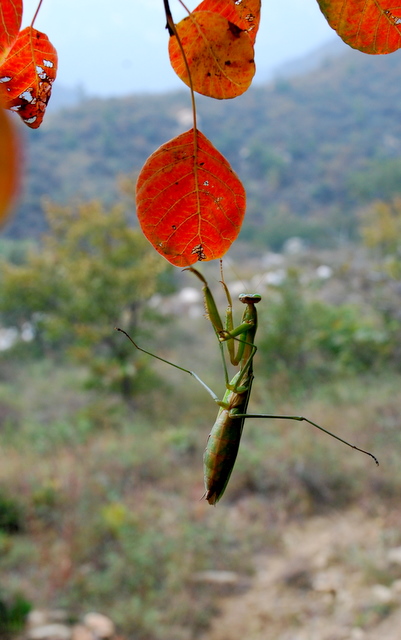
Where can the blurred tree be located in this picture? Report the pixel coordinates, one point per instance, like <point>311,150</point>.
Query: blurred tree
<point>91,272</point>
<point>380,180</point>
<point>306,341</point>
<point>381,231</point>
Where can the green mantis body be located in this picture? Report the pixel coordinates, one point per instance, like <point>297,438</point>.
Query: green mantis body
<point>225,436</point>
<point>224,439</point>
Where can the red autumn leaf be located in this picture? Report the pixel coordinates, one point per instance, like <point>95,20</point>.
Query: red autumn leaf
<point>9,164</point>
<point>10,22</point>
<point>27,75</point>
<point>372,26</point>
<point>245,14</point>
<point>190,203</point>
<point>220,55</point>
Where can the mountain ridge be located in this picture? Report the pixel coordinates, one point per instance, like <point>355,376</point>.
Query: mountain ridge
<point>300,144</point>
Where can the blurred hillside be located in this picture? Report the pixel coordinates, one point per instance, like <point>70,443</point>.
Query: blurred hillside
<point>101,457</point>
<point>310,149</point>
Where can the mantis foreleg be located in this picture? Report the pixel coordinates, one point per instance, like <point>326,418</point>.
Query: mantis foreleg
<point>191,373</point>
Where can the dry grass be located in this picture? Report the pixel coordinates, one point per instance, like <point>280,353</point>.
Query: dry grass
<point>111,516</point>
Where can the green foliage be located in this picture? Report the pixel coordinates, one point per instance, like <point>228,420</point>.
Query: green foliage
<point>273,230</point>
<point>380,180</point>
<point>13,612</point>
<point>305,340</point>
<point>381,233</point>
<point>11,514</point>
<point>266,164</point>
<point>14,251</point>
<point>92,272</point>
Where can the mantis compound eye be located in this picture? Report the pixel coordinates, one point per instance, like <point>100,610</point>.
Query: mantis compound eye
<point>249,298</point>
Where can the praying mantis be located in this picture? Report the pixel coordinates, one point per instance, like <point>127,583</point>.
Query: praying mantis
<point>224,439</point>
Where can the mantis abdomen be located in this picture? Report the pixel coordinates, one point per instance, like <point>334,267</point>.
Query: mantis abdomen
<point>224,440</point>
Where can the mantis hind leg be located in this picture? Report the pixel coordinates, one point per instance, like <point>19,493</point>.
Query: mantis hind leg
<point>303,419</point>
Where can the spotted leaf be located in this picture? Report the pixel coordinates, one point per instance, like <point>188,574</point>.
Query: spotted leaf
<point>245,13</point>
<point>190,203</point>
<point>371,26</point>
<point>219,53</point>
<point>27,75</point>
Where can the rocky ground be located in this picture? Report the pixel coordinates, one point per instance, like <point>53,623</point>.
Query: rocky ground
<point>338,577</point>
<point>54,625</point>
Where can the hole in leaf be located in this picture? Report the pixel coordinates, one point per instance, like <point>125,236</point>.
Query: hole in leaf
<point>41,72</point>
<point>26,95</point>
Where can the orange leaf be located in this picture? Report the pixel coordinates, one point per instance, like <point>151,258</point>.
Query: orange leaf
<point>245,14</point>
<point>8,164</point>
<point>10,21</point>
<point>190,203</point>
<point>27,75</point>
<point>219,54</point>
<point>372,26</point>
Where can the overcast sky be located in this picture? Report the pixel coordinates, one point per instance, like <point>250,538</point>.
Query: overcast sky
<point>119,47</point>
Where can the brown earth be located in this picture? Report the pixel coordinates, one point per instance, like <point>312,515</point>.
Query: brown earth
<point>336,577</point>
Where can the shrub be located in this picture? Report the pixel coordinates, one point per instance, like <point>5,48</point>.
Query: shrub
<point>309,339</point>
<point>13,612</point>
<point>11,515</point>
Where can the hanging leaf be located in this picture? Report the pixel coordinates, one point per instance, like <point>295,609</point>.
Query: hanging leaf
<point>245,14</point>
<point>27,75</point>
<point>371,26</point>
<point>220,55</point>
<point>10,21</point>
<point>190,203</point>
<point>9,164</point>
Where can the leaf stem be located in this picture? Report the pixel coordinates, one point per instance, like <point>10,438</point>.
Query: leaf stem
<point>172,29</point>
<point>169,18</point>
<point>36,12</point>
